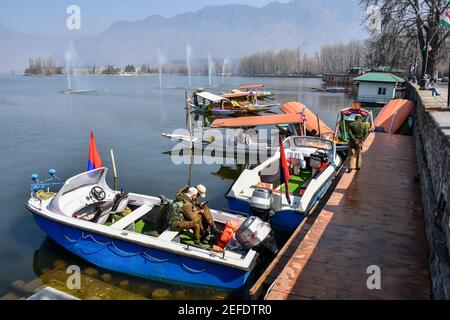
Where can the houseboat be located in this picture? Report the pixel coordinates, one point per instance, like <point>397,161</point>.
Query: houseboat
<point>375,89</point>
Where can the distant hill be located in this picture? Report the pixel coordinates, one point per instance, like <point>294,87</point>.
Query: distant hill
<point>228,31</point>
<point>17,48</point>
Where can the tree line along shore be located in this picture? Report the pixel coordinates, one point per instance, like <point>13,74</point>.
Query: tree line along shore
<point>411,37</point>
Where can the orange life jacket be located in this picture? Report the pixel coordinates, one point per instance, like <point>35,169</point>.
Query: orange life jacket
<point>227,235</point>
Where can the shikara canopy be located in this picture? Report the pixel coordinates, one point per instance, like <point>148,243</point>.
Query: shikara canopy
<point>312,122</point>
<point>236,95</point>
<point>248,122</point>
<point>210,97</point>
<point>253,86</point>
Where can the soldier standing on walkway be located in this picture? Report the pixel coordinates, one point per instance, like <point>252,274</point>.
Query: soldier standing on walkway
<point>358,133</point>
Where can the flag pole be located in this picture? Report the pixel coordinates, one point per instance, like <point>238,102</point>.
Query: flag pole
<point>114,169</point>
<point>191,152</point>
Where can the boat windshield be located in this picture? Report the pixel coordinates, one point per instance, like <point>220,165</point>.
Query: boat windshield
<point>90,178</point>
<point>310,142</point>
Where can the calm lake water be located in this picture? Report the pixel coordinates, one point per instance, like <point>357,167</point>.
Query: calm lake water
<point>41,128</point>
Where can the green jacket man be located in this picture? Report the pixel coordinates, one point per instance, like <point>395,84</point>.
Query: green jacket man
<point>181,214</point>
<point>184,213</point>
<point>358,133</point>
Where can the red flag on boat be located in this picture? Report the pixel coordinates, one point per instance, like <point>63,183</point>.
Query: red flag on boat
<point>284,169</point>
<point>95,161</point>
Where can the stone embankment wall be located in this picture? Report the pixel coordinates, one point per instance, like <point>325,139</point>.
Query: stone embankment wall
<point>432,135</point>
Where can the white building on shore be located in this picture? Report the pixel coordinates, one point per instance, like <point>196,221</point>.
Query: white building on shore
<point>378,87</point>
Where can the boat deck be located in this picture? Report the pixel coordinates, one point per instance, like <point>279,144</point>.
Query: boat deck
<point>372,218</point>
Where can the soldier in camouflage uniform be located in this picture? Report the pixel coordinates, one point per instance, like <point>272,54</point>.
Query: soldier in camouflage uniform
<point>204,211</point>
<point>358,134</point>
<point>182,215</point>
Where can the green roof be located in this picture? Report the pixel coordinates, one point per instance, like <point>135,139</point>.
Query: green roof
<point>379,77</point>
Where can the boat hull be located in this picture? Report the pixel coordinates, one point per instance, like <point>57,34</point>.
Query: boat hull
<point>225,149</point>
<point>144,262</point>
<point>394,115</point>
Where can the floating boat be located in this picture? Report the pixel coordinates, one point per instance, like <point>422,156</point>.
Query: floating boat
<point>314,164</point>
<point>392,117</point>
<point>248,101</point>
<point>245,139</point>
<point>206,102</point>
<point>250,91</point>
<point>86,91</point>
<point>331,90</point>
<point>87,218</point>
<point>316,127</point>
<point>347,116</point>
<point>257,89</point>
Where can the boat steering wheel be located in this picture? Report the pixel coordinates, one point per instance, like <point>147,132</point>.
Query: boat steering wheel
<point>98,193</point>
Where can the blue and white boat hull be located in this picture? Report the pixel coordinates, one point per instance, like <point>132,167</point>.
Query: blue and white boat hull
<point>119,246</point>
<point>136,260</point>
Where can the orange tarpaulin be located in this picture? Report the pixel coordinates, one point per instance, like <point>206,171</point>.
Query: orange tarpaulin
<point>394,114</point>
<point>257,121</point>
<point>311,118</point>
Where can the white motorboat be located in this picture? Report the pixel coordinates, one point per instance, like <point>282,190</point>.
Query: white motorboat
<point>314,164</point>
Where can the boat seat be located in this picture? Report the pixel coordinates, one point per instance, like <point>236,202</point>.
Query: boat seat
<point>271,179</point>
<point>168,235</point>
<point>132,217</point>
<point>121,202</point>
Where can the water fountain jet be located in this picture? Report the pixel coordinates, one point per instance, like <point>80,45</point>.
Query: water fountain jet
<point>188,64</point>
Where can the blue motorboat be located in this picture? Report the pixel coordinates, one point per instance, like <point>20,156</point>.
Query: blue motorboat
<point>82,218</point>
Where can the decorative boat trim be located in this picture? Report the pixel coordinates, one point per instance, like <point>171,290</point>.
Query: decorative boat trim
<point>192,270</point>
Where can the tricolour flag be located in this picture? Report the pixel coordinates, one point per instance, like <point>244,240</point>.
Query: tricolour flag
<point>284,170</point>
<point>95,161</point>
<point>446,20</point>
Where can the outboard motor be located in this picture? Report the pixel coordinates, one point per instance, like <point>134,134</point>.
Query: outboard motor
<point>261,203</point>
<point>256,234</point>
<point>318,159</point>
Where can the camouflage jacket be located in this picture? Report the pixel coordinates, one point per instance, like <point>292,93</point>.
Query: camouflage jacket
<point>358,132</point>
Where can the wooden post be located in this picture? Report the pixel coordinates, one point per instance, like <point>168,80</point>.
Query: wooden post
<point>318,126</point>
<point>191,153</point>
<point>188,111</point>
<point>114,169</point>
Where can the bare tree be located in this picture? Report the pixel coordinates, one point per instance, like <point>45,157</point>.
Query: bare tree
<point>338,58</point>
<point>411,30</point>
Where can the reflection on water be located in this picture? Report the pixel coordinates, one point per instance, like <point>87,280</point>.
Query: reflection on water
<point>42,129</point>
<point>50,262</point>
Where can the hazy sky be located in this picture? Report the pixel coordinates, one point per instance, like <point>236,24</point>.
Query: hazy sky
<point>48,17</point>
